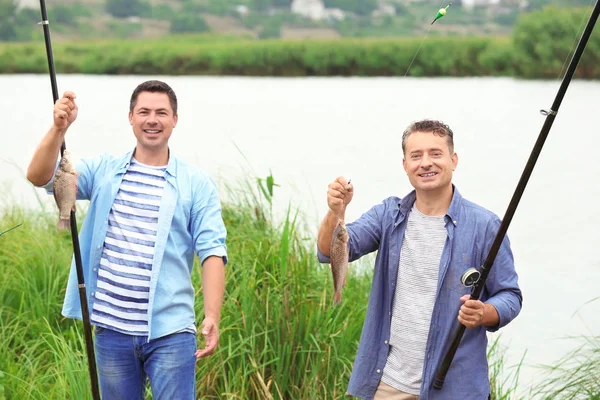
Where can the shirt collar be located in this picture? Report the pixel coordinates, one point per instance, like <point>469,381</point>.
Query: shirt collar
<point>452,214</point>
<point>126,160</point>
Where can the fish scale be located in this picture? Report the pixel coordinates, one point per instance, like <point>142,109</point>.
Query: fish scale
<point>339,258</point>
<point>65,190</point>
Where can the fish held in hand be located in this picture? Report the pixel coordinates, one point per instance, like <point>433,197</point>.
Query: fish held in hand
<point>339,257</point>
<point>65,190</point>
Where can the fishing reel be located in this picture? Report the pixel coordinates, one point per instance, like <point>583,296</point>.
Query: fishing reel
<point>470,277</point>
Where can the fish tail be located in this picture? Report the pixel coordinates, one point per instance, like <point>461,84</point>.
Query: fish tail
<point>337,298</point>
<point>64,224</point>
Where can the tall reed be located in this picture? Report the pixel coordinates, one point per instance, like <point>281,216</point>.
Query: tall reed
<point>281,338</point>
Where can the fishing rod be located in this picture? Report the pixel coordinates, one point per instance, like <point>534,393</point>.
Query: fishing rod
<point>87,329</point>
<point>478,285</point>
<point>10,229</point>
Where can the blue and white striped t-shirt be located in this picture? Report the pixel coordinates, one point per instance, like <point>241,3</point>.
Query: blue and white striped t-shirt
<point>125,269</point>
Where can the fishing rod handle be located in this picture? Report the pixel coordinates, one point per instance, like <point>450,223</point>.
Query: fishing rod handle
<point>440,377</point>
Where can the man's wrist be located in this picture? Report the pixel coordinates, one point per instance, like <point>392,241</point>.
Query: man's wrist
<point>490,315</point>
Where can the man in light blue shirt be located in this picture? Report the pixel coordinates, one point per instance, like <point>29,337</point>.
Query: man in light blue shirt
<point>425,242</point>
<point>149,213</point>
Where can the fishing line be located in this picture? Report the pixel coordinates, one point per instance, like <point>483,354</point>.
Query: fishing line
<point>574,44</point>
<point>423,40</point>
<point>418,49</point>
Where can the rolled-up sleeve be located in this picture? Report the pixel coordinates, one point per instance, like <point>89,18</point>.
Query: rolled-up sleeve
<point>208,228</point>
<point>502,283</point>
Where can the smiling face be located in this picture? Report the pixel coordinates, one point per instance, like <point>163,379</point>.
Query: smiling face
<point>429,161</point>
<point>153,120</point>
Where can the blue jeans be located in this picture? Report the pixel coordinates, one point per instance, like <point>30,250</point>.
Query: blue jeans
<point>125,361</point>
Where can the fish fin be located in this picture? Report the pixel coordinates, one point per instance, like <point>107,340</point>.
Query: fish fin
<point>64,224</point>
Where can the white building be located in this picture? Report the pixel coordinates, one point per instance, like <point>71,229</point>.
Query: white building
<point>479,3</point>
<point>313,9</point>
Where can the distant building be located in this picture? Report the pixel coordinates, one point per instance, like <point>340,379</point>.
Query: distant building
<point>479,3</point>
<point>27,3</point>
<point>384,9</point>
<point>313,9</point>
<point>335,13</point>
<point>242,10</point>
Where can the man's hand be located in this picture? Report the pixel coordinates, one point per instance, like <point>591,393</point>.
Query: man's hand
<point>475,313</point>
<point>339,195</point>
<point>210,330</point>
<point>65,111</point>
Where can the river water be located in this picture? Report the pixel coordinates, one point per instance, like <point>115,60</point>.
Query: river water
<point>307,131</point>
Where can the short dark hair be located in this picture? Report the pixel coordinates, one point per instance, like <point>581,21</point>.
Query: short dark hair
<point>154,87</point>
<point>427,125</point>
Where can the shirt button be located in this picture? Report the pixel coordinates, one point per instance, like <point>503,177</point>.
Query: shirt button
<point>385,341</point>
<point>92,294</point>
<point>378,371</point>
<point>98,247</point>
<point>390,313</point>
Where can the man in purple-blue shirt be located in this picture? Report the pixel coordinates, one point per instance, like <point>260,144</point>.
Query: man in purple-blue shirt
<point>425,242</point>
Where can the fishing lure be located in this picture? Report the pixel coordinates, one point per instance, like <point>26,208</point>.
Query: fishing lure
<point>440,13</point>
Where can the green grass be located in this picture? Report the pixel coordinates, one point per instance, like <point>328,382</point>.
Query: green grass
<point>280,336</point>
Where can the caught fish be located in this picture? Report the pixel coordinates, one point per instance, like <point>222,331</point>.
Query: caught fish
<point>65,190</point>
<point>339,259</point>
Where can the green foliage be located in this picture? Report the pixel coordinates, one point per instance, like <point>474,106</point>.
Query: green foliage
<point>508,18</point>
<point>129,8</point>
<point>8,9</point>
<point>360,7</point>
<point>541,46</point>
<point>188,23</point>
<point>199,55</point>
<point>544,41</point>
<point>220,7</point>
<point>576,375</point>
<point>162,12</point>
<point>271,29</point>
<point>62,14</point>
<point>124,29</point>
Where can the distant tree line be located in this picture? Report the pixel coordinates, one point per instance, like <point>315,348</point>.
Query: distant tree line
<point>265,17</point>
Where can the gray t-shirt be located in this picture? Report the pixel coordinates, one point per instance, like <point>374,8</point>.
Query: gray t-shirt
<point>416,289</point>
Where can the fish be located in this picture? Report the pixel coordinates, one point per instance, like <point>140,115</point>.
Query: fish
<point>65,190</point>
<point>338,259</point>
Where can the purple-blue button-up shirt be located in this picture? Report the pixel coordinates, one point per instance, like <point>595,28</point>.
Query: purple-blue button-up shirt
<point>471,231</point>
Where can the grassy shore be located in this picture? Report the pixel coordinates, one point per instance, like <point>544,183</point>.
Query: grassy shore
<point>280,337</point>
<point>198,55</point>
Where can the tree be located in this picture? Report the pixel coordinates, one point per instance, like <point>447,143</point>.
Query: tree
<point>360,7</point>
<point>184,23</point>
<point>126,8</point>
<point>271,29</point>
<point>8,10</point>
<point>544,39</point>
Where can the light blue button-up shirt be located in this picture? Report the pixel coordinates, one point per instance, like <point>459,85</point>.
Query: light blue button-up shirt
<point>189,221</point>
<point>471,231</point>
